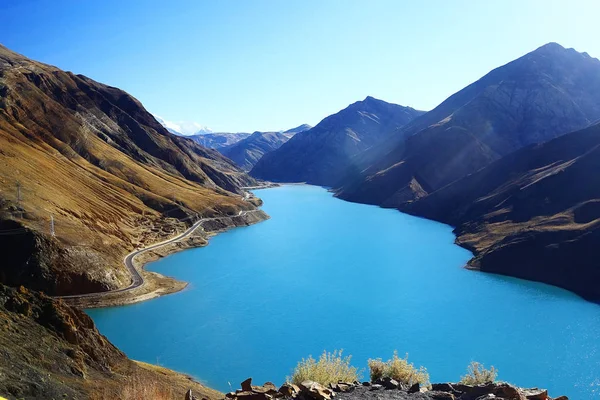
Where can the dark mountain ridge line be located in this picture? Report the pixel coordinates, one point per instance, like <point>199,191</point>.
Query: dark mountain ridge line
<point>247,152</point>
<point>547,92</point>
<point>322,154</point>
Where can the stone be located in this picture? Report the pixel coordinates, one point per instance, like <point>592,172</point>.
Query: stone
<point>535,394</point>
<point>267,388</point>
<point>436,395</point>
<point>247,385</point>
<point>231,395</point>
<point>507,391</point>
<point>414,388</point>
<point>443,387</point>
<point>389,383</point>
<point>376,386</point>
<point>366,383</point>
<point>470,392</point>
<point>341,387</point>
<point>561,398</point>
<point>289,390</point>
<point>246,395</point>
<point>316,390</point>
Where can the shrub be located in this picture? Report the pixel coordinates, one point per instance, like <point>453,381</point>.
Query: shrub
<point>331,368</point>
<point>376,369</point>
<point>399,369</point>
<point>477,374</point>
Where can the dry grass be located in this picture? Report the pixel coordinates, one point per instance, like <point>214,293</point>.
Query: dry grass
<point>477,374</point>
<point>399,369</point>
<point>137,388</point>
<point>330,368</point>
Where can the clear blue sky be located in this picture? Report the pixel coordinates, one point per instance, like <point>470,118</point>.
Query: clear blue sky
<point>267,65</point>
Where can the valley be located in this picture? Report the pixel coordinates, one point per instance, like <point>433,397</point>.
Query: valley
<point>381,226</point>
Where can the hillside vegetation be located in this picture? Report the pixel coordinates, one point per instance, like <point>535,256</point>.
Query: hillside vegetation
<point>91,158</point>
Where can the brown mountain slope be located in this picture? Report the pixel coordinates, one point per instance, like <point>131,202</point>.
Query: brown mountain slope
<point>50,351</point>
<point>91,157</point>
<point>534,214</point>
<point>544,94</point>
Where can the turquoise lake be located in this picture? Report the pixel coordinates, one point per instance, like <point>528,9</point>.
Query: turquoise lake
<point>327,274</point>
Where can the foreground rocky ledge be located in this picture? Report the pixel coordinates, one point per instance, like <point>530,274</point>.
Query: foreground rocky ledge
<point>384,389</point>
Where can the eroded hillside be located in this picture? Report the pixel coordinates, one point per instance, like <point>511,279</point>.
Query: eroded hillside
<point>87,162</point>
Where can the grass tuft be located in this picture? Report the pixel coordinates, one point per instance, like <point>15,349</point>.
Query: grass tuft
<point>399,369</point>
<point>477,374</point>
<point>330,368</point>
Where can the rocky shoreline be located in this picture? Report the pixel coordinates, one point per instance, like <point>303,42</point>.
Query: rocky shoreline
<point>384,389</point>
<point>155,284</point>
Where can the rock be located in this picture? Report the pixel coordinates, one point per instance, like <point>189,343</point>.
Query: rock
<point>342,387</point>
<point>247,385</point>
<point>289,390</point>
<point>443,387</point>
<point>245,395</point>
<point>231,395</point>
<point>268,388</point>
<point>535,394</point>
<point>473,392</point>
<point>189,395</point>
<point>316,390</point>
<point>561,398</point>
<point>389,383</point>
<point>366,383</point>
<point>414,388</point>
<point>435,395</point>
<point>376,386</point>
<point>507,391</point>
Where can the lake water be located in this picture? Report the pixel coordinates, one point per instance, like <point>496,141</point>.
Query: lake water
<point>326,274</point>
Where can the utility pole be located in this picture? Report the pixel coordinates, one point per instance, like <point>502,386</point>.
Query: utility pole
<point>18,192</point>
<point>52,232</point>
<point>19,199</point>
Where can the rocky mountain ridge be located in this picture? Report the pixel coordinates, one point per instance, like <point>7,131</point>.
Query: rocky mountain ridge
<point>540,96</point>
<point>322,155</point>
<point>247,152</point>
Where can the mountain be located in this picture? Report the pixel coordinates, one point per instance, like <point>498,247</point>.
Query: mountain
<point>544,94</point>
<point>298,129</point>
<point>183,128</point>
<point>533,214</point>
<point>248,151</point>
<point>219,139</point>
<point>53,351</point>
<point>88,175</point>
<point>321,155</point>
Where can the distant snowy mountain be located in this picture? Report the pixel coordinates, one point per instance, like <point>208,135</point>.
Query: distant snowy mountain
<point>183,128</point>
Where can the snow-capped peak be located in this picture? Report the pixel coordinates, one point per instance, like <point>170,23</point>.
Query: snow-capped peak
<point>183,128</point>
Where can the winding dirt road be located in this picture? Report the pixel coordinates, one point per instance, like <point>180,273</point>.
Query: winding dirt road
<point>137,279</point>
